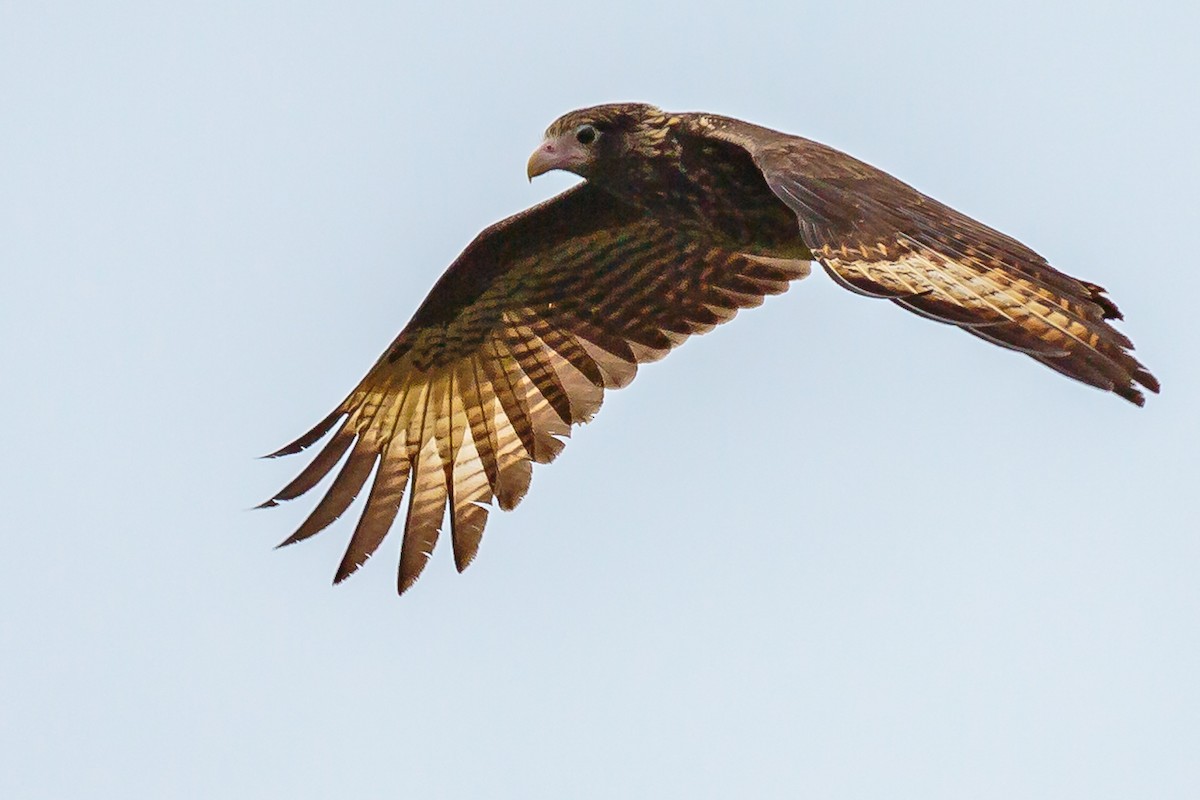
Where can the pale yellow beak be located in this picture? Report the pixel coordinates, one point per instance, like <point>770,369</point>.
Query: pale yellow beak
<point>561,152</point>
<point>541,162</point>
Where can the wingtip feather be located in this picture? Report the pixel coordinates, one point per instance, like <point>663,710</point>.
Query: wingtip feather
<point>314,434</point>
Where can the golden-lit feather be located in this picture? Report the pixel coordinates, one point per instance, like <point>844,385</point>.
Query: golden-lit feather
<point>456,411</point>
<point>878,236</point>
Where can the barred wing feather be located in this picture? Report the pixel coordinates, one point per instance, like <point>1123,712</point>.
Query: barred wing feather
<point>515,344</point>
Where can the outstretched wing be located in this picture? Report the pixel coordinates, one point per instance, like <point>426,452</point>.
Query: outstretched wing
<point>880,237</point>
<point>515,343</point>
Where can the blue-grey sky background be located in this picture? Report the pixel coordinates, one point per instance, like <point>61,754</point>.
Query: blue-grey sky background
<point>830,550</point>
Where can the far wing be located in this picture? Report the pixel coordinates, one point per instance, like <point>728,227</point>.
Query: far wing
<point>880,237</point>
<point>515,343</point>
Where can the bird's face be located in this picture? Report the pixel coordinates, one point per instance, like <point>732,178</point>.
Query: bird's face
<point>585,141</point>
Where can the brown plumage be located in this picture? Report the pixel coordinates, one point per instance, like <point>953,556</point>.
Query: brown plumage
<point>682,220</point>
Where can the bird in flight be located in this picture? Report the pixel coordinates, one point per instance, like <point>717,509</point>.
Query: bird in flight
<point>681,220</point>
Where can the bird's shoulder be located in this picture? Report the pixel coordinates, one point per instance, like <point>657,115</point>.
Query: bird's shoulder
<point>774,151</point>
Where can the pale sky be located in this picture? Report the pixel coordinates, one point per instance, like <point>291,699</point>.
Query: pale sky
<point>830,550</point>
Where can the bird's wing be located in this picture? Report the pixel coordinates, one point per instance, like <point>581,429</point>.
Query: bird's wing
<point>515,343</point>
<point>880,237</point>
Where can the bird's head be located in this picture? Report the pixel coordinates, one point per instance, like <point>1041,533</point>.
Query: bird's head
<point>586,141</point>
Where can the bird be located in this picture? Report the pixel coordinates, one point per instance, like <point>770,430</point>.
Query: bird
<point>680,221</point>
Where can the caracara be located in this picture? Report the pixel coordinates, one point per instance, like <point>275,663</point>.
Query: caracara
<point>681,220</point>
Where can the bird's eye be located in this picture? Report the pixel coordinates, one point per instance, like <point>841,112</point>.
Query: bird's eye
<point>586,134</point>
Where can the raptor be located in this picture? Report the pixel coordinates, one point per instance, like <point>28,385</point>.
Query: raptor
<point>681,220</point>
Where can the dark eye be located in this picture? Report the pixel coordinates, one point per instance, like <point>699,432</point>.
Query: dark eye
<point>586,134</point>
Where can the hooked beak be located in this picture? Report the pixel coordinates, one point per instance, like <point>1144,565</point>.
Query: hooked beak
<point>561,152</point>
